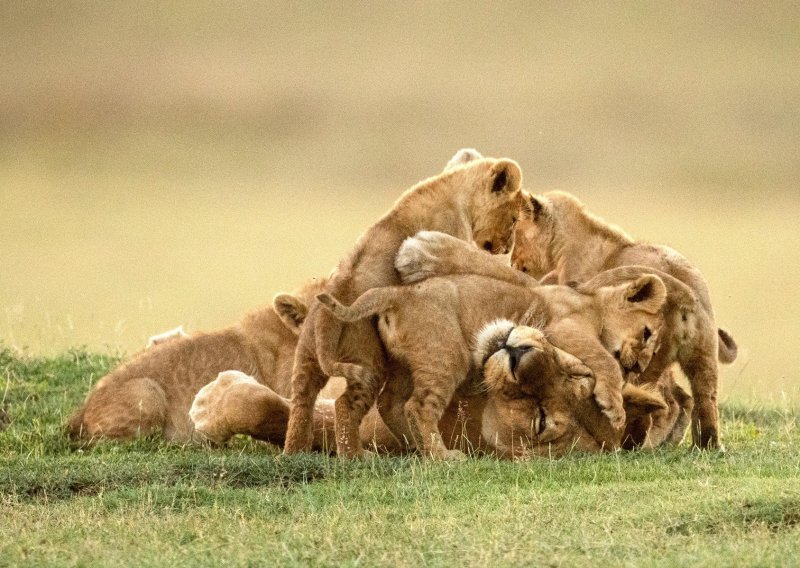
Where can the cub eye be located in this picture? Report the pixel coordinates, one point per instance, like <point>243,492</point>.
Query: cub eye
<point>646,334</point>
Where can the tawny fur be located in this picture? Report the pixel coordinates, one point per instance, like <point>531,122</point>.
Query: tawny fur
<point>496,419</point>
<point>478,202</point>
<point>429,328</point>
<point>153,391</point>
<point>561,237</point>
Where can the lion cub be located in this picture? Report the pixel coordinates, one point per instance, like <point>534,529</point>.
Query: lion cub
<point>430,327</point>
<point>153,391</point>
<point>559,235</point>
<point>478,201</point>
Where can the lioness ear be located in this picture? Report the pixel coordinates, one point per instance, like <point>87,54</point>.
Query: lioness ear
<point>291,310</point>
<point>639,401</point>
<point>463,156</point>
<point>646,293</point>
<point>506,176</point>
<point>576,371</point>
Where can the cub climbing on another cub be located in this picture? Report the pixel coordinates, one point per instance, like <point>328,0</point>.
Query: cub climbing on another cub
<point>561,236</point>
<point>429,328</point>
<point>506,414</point>
<point>478,201</point>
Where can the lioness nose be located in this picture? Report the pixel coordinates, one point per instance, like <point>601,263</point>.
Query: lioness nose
<point>515,354</point>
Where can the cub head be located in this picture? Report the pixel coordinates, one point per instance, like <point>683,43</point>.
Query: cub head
<point>541,399</point>
<point>550,222</point>
<point>534,237</point>
<point>633,321</point>
<point>493,199</point>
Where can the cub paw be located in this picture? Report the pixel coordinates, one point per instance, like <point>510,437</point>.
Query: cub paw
<point>419,256</point>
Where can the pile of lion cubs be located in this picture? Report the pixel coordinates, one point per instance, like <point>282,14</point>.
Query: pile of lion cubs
<point>445,347</point>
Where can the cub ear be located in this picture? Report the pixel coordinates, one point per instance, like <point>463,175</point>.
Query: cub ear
<point>576,371</point>
<point>506,176</point>
<point>646,293</point>
<point>536,208</point>
<point>533,208</point>
<point>462,157</point>
<point>291,310</point>
<point>641,401</point>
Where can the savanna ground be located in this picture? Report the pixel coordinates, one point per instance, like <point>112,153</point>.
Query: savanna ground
<point>178,164</point>
<point>148,503</point>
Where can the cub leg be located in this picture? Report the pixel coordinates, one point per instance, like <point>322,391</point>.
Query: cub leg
<point>433,391</point>
<point>307,380</point>
<point>362,388</point>
<point>391,404</point>
<point>703,373</point>
<point>685,407</point>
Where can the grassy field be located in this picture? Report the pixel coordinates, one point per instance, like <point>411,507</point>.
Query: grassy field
<point>180,163</point>
<point>151,504</point>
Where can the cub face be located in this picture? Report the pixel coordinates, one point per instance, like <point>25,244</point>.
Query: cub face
<point>633,322</point>
<point>533,237</point>
<point>494,200</point>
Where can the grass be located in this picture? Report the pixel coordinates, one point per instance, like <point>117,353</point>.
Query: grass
<point>149,503</point>
<point>162,165</point>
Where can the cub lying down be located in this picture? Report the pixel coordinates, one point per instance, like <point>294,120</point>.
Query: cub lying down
<point>429,328</point>
<point>510,414</point>
<point>477,201</point>
<point>153,391</point>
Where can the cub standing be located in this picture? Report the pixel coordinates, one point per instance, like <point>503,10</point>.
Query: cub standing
<point>478,201</point>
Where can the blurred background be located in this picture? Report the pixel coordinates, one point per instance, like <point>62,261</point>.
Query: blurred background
<point>166,163</point>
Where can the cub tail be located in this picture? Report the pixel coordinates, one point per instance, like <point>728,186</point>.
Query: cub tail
<point>371,302</point>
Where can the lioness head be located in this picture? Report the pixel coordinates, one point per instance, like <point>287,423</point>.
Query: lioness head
<point>494,200</point>
<point>541,399</point>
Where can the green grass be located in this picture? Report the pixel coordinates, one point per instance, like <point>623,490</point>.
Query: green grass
<point>150,503</point>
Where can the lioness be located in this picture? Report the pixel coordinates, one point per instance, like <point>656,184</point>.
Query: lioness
<point>502,415</point>
<point>429,327</point>
<point>561,236</point>
<point>478,201</point>
<point>154,390</point>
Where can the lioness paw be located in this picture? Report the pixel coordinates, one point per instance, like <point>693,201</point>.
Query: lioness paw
<point>207,412</point>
